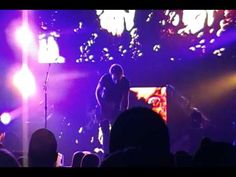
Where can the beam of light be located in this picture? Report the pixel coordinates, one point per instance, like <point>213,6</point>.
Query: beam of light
<point>71,75</point>
<point>215,89</point>
<point>57,78</point>
<point>116,21</point>
<point>21,81</point>
<point>5,118</point>
<point>24,81</point>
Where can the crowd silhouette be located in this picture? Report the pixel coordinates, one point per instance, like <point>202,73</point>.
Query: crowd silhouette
<point>139,138</point>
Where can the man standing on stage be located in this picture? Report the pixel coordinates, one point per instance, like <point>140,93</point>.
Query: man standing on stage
<point>112,94</point>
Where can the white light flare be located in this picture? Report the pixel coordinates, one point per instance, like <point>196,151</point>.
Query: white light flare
<point>24,36</point>
<point>24,81</point>
<point>5,118</point>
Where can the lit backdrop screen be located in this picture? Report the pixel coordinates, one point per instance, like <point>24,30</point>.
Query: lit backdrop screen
<point>152,97</point>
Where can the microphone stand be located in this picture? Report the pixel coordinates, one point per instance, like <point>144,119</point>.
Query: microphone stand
<point>45,97</point>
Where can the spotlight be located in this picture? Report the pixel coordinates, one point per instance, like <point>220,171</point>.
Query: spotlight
<point>25,82</point>
<point>24,36</point>
<point>5,118</point>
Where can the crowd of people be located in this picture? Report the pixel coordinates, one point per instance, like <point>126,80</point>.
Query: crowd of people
<point>139,138</point>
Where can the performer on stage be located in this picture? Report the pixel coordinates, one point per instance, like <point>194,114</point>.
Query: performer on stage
<point>112,94</point>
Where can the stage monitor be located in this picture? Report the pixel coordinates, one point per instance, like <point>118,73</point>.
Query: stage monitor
<point>152,97</point>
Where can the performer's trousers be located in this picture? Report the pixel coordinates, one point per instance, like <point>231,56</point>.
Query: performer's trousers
<point>105,124</point>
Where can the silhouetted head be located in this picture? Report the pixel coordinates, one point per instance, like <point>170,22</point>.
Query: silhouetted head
<point>7,159</point>
<point>77,158</point>
<point>140,128</point>
<point>137,157</point>
<point>42,149</point>
<point>116,71</point>
<point>213,153</point>
<point>183,159</point>
<point>90,160</point>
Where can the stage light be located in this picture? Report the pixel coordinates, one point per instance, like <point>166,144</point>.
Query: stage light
<point>5,118</point>
<point>223,85</point>
<point>24,81</point>
<point>24,36</point>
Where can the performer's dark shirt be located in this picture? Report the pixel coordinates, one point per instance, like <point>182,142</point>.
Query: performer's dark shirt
<point>113,92</point>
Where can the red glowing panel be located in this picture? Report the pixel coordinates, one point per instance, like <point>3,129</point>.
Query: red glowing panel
<point>156,97</point>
